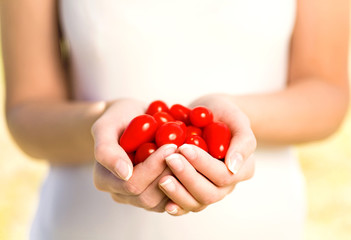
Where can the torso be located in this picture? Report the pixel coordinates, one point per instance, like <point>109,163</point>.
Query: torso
<point>177,51</point>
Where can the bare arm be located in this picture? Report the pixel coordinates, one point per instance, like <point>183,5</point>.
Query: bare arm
<point>41,118</point>
<point>316,99</point>
<point>46,124</point>
<point>311,107</point>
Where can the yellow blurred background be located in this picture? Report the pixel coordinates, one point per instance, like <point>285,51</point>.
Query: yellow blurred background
<point>326,165</point>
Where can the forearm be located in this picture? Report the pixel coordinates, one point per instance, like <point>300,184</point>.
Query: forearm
<point>57,131</point>
<point>307,110</point>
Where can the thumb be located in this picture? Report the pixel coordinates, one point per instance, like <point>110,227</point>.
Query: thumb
<point>242,145</point>
<point>109,153</point>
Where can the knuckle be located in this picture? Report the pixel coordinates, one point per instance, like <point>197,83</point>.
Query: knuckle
<point>131,189</point>
<point>147,202</point>
<point>100,153</point>
<point>98,185</point>
<point>199,208</point>
<point>116,198</point>
<point>97,178</point>
<point>156,209</point>
<point>104,154</point>
<point>208,199</point>
<point>114,186</point>
<point>223,181</point>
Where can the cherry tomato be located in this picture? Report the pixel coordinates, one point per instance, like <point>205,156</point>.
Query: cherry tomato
<point>191,130</point>
<point>181,113</point>
<point>200,116</point>
<point>140,130</point>
<point>182,125</point>
<point>170,132</point>
<point>143,152</point>
<point>197,141</point>
<point>157,106</point>
<point>162,117</point>
<point>217,136</point>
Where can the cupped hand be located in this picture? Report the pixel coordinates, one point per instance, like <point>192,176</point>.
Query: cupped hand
<point>243,142</point>
<point>113,170</point>
<point>200,179</point>
<point>107,130</point>
<point>142,189</point>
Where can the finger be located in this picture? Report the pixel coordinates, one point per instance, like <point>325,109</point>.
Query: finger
<point>145,174</point>
<point>107,151</point>
<point>153,195</point>
<point>150,199</point>
<point>204,191</point>
<point>178,194</point>
<point>213,169</point>
<point>247,170</point>
<point>106,132</point>
<point>174,210</point>
<point>104,179</point>
<point>242,144</point>
<point>161,206</point>
<point>130,201</point>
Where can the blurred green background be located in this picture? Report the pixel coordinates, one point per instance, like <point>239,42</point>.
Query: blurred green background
<point>326,165</point>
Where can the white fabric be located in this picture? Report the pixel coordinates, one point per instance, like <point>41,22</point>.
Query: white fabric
<point>177,51</point>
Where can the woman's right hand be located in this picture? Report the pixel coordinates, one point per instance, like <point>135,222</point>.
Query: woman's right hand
<point>113,170</point>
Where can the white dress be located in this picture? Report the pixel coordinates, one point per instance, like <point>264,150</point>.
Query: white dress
<point>177,51</point>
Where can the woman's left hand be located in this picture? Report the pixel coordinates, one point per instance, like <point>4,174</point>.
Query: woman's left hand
<point>199,179</point>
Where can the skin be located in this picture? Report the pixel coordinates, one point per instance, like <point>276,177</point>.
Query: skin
<point>47,123</point>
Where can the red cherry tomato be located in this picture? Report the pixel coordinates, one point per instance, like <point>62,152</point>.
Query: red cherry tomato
<point>201,116</point>
<point>191,130</point>
<point>181,113</point>
<point>162,117</point>
<point>140,130</point>
<point>157,106</point>
<point>217,136</point>
<point>182,125</point>
<point>170,132</point>
<point>197,141</point>
<point>143,152</point>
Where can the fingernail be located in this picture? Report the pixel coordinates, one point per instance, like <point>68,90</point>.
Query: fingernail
<point>172,210</point>
<point>168,185</point>
<point>169,149</point>
<point>188,151</point>
<point>123,170</point>
<point>175,162</point>
<point>235,162</point>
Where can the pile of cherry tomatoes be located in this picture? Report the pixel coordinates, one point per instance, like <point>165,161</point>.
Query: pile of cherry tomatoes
<point>161,125</point>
